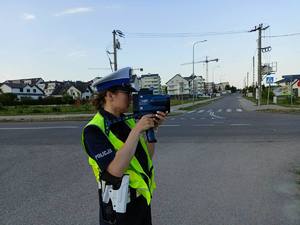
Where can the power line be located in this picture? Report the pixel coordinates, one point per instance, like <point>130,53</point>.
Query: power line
<point>181,35</point>
<point>282,35</point>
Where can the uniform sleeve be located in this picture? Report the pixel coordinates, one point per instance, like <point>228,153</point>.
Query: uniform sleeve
<point>98,147</point>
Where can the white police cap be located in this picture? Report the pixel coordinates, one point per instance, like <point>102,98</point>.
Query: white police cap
<point>121,77</point>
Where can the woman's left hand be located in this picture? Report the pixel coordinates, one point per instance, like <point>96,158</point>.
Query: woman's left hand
<point>159,118</point>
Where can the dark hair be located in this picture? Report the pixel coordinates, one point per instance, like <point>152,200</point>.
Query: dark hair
<point>99,100</point>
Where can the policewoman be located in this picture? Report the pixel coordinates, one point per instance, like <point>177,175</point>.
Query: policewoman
<point>117,149</point>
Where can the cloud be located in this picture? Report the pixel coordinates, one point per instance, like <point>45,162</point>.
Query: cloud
<point>28,16</point>
<point>74,11</point>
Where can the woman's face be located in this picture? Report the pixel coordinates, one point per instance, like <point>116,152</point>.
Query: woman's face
<point>121,100</point>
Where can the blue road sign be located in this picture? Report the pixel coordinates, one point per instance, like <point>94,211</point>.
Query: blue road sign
<point>270,80</point>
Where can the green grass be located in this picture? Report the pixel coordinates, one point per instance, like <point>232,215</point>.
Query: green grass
<point>195,106</point>
<point>180,102</point>
<point>59,109</point>
<point>63,109</point>
<point>281,101</point>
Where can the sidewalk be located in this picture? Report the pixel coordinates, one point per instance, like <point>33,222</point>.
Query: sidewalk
<point>72,117</point>
<point>251,106</point>
<point>176,108</point>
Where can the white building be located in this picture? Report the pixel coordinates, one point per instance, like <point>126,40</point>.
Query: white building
<point>77,90</point>
<point>220,87</point>
<point>199,83</point>
<point>22,90</point>
<point>30,81</point>
<point>292,82</point>
<point>151,81</point>
<point>49,86</point>
<point>178,86</point>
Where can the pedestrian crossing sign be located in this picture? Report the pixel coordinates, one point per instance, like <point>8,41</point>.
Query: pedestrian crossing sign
<point>270,80</point>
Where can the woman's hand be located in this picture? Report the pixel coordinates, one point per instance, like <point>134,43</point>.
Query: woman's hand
<point>145,123</point>
<point>159,118</point>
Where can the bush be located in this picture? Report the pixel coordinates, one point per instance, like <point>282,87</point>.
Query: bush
<point>36,111</point>
<point>56,109</point>
<point>1,106</point>
<point>8,99</point>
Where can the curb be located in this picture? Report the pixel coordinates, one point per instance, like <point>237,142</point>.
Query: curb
<point>78,117</point>
<point>250,106</point>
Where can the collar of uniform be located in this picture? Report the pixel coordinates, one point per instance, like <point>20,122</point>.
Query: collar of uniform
<point>109,119</point>
<point>109,116</point>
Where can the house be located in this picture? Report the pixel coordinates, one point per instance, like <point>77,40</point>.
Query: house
<point>22,90</point>
<point>151,81</point>
<point>196,85</point>
<point>77,90</point>
<point>49,86</point>
<point>84,88</point>
<point>220,87</point>
<point>288,83</point>
<point>30,81</point>
<point>177,86</point>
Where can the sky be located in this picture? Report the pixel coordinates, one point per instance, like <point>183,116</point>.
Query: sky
<point>68,40</point>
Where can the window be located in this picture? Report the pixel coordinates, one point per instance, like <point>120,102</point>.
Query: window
<point>21,89</point>
<point>28,90</point>
<point>34,90</point>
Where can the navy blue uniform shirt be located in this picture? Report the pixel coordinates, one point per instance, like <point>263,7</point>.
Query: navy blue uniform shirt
<point>102,151</point>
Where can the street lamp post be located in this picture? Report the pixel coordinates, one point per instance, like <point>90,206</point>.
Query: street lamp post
<point>213,74</point>
<point>193,75</point>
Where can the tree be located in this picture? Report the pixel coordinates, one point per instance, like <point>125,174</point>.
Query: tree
<point>8,98</point>
<point>233,89</point>
<point>227,87</point>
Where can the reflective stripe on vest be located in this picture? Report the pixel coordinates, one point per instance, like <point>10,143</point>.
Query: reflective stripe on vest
<point>134,170</point>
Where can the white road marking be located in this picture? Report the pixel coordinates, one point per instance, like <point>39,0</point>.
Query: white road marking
<point>240,124</point>
<point>37,128</point>
<point>201,111</point>
<point>172,119</point>
<point>204,125</point>
<point>213,116</point>
<point>239,110</point>
<point>192,111</point>
<point>220,110</point>
<point>228,110</point>
<point>182,118</point>
<point>218,122</point>
<point>192,118</point>
<point>170,125</point>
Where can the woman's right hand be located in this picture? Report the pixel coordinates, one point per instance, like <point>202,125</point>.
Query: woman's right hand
<point>145,123</point>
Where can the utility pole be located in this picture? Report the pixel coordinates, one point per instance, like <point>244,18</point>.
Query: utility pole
<point>115,51</point>
<point>259,49</point>
<point>253,71</point>
<point>247,80</point>
<point>116,45</point>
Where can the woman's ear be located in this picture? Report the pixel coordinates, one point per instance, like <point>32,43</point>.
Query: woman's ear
<point>109,96</point>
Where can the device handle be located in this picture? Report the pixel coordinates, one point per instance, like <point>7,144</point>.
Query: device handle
<point>151,136</point>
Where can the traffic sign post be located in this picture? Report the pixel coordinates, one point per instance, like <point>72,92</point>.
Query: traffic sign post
<point>269,80</point>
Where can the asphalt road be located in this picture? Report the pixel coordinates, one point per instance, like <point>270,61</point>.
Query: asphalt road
<point>217,165</point>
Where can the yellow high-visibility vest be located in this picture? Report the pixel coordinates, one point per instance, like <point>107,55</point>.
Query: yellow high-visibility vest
<point>134,170</point>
